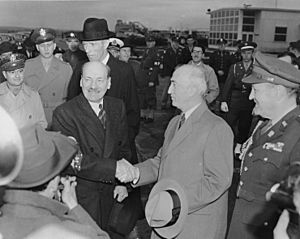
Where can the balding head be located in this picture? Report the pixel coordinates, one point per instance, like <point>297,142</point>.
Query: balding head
<point>188,87</point>
<point>95,81</point>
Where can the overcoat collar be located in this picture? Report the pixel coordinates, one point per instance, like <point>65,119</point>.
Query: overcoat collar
<point>30,203</point>
<point>177,136</point>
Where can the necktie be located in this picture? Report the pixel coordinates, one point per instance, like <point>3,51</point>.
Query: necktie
<point>181,121</point>
<point>266,127</point>
<point>102,115</point>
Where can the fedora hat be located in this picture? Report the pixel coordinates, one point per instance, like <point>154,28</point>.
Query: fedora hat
<point>95,29</point>
<point>46,154</point>
<point>167,208</point>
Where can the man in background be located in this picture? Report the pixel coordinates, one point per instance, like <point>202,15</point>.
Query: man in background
<point>73,54</point>
<point>47,74</point>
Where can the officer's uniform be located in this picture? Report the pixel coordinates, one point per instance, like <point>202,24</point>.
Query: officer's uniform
<point>171,59</point>
<point>73,57</point>
<point>26,107</point>
<point>53,84</point>
<point>221,61</point>
<point>236,95</point>
<point>147,80</point>
<point>266,156</point>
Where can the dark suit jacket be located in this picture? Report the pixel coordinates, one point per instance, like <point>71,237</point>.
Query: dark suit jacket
<point>101,149</point>
<point>123,86</point>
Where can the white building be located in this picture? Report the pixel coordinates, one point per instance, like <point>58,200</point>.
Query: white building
<point>271,28</point>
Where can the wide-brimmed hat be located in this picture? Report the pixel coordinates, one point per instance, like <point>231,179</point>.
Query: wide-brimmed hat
<point>41,35</point>
<point>12,62</point>
<point>267,69</point>
<point>167,208</point>
<point>46,154</point>
<point>95,29</point>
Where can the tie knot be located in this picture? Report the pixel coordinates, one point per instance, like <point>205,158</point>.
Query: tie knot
<point>100,106</point>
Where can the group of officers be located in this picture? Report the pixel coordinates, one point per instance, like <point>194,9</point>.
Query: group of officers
<point>96,98</point>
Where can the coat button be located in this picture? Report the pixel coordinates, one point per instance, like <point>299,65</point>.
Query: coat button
<point>241,183</point>
<point>250,154</point>
<point>30,116</point>
<point>266,223</point>
<point>265,159</point>
<point>245,169</point>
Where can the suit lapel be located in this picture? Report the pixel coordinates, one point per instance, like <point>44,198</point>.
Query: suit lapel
<point>186,129</point>
<point>109,140</point>
<point>90,120</point>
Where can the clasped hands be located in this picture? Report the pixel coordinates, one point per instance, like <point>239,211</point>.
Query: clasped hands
<point>126,172</point>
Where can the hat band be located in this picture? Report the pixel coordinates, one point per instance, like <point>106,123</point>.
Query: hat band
<point>95,35</point>
<point>263,77</point>
<point>176,208</point>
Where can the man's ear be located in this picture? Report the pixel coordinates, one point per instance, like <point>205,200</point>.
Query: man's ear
<point>4,74</point>
<point>81,82</point>
<point>37,47</point>
<point>108,83</point>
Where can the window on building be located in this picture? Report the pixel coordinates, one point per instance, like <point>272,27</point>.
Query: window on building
<point>248,28</point>
<point>280,33</point>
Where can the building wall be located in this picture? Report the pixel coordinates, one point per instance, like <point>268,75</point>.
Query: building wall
<point>265,29</point>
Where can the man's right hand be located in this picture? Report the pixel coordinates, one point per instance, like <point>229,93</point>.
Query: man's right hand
<point>126,172</point>
<point>224,107</point>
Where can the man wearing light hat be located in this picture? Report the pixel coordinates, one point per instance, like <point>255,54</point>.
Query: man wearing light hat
<point>114,46</point>
<point>73,54</point>
<point>21,102</point>
<point>235,100</point>
<point>47,74</point>
<point>273,146</point>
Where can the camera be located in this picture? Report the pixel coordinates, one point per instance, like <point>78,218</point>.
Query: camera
<point>282,193</point>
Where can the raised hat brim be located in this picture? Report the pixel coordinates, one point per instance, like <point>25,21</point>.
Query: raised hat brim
<point>164,185</point>
<point>63,151</point>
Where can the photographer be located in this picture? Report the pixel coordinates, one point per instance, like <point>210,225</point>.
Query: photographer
<point>39,198</point>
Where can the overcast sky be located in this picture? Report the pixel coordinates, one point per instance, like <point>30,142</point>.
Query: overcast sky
<point>154,14</point>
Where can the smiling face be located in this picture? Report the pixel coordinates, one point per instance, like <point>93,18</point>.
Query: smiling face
<point>125,54</point>
<point>264,96</point>
<point>73,43</point>
<point>14,78</point>
<point>96,50</point>
<point>94,81</point>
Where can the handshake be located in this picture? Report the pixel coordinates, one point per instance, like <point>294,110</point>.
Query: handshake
<point>126,172</point>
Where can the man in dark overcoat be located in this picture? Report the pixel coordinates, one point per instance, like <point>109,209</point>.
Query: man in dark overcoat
<point>95,40</point>
<point>103,141</point>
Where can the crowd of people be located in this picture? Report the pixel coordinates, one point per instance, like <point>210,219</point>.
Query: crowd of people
<point>79,112</point>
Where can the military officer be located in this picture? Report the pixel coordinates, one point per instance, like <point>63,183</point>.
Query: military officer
<point>73,54</point>
<point>114,46</point>
<point>273,146</point>
<point>147,80</point>
<point>22,103</point>
<point>171,59</point>
<point>6,48</point>
<point>235,96</point>
<point>220,61</point>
